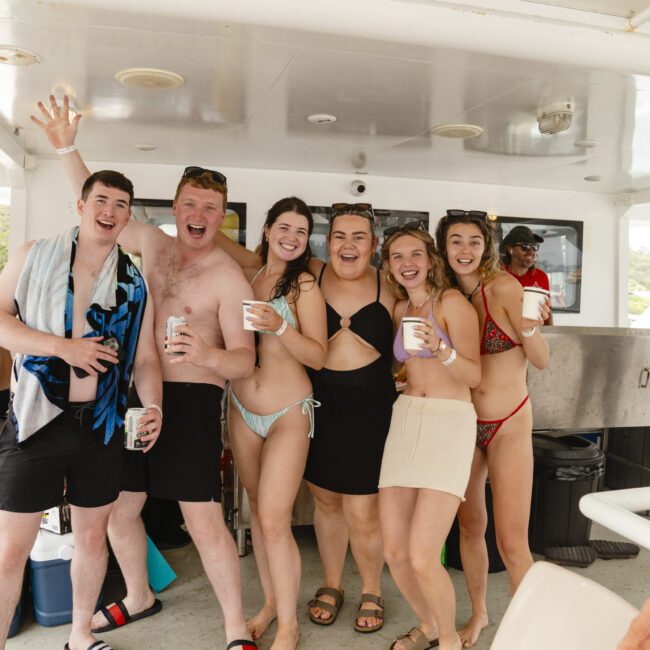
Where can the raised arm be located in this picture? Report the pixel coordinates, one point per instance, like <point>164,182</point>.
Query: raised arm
<point>245,258</point>
<point>511,295</point>
<point>82,353</point>
<point>62,133</point>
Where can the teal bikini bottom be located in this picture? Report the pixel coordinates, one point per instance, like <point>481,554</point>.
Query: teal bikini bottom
<point>261,424</point>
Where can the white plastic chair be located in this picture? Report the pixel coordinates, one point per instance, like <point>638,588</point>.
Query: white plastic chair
<point>616,510</point>
<point>557,609</point>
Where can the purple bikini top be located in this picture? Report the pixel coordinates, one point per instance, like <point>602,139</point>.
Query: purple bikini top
<point>398,344</point>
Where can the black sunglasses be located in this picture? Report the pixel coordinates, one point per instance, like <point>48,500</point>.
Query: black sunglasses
<point>460,214</point>
<point>360,209</point>
<point>194,172</point>
<point>407,227</point>
<point>528,247</point>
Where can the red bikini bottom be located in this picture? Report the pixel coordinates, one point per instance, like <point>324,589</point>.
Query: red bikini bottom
<point>487,429</point>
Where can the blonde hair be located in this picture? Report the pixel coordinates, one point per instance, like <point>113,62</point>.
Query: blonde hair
<point>204,182</point>
<point>436,282</point>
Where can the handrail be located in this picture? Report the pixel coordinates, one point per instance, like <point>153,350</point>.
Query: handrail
<point>617,510</point>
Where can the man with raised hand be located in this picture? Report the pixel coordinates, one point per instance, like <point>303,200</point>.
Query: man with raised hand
<point>61,299</point>
<point>188,276</point>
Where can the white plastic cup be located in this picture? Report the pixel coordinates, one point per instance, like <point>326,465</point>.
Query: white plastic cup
<point>246,305</point>
<point>533,298</point>
<point>411,342</point>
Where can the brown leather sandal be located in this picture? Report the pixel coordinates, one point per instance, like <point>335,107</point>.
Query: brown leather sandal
<point>414,639</point>
<point>332,609</point>
<point>370,613</point>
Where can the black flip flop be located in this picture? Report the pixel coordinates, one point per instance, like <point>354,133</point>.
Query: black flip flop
<point>118,615</point>
<point>244,644</point>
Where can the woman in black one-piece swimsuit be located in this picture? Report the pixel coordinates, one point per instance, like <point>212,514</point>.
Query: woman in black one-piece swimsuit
<point>356,391</point>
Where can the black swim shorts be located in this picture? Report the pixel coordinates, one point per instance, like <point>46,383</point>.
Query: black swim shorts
<point>33,472</point>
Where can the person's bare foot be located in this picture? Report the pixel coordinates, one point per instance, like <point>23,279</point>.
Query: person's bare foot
<point>286,638</point>
<point>259,623</point>
<point>454,644</point>
<point>470,632</point>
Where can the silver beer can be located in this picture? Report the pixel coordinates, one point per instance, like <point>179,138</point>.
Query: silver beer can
<point>131,435</point>
<point>172,323</point>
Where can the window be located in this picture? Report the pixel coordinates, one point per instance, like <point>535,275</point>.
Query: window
<point>559,256</point>
<point>638,274</point>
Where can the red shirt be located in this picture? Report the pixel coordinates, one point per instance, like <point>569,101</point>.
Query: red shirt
<point>532,278</point>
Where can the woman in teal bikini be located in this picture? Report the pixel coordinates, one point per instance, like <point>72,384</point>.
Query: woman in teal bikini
<point>271,411</point>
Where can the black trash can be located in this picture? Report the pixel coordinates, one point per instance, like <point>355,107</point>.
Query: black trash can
<point>453,540</point>
<point>628,458</point>
<point>565,470</point>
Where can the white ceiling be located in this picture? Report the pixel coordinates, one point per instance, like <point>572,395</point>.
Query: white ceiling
<point>388,69</point>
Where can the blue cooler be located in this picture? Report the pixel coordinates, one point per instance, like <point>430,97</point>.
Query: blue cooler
<point>51,586</point>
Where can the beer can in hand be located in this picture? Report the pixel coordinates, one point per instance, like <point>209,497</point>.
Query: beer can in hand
<point>172,323</point>
<point>131,434</point>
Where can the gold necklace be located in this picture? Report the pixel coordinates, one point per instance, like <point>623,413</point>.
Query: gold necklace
<point>424,302</point>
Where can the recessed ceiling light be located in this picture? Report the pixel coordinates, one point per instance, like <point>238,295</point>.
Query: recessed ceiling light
<point>145,146</point>
<point>10,55</point>
<point>322,118</point>
<point>593,179</point>
<point>151,78</point>
<point>461,131</point>
<point>587,144</point>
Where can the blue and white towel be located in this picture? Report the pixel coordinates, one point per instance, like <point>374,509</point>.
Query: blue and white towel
<point>44,300</point>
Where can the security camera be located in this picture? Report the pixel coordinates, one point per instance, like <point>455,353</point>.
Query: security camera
<point>358,188</point>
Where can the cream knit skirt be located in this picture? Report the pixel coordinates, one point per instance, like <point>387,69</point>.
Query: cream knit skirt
<point>430,444</point>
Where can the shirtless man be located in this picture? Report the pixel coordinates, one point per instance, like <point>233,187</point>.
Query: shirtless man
<point>66,418</point>
<point>188,276</point>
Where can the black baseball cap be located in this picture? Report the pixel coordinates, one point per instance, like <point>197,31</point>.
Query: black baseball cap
<point>521,235</point>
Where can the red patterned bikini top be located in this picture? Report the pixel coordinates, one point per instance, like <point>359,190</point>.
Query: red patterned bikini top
<point>493,338</point>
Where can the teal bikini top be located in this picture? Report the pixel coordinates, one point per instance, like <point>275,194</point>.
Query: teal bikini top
<point>280,305</point>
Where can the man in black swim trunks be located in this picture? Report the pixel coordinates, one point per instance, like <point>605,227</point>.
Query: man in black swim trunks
<point>188,276</point>
<point>59,299</point>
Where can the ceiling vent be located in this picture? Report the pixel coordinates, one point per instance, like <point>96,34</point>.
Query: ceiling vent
<point>151,78</point>
<point>10,55</point>
<point>459,131</point>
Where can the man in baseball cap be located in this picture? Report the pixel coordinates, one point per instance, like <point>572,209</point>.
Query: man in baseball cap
<point>519,254</point>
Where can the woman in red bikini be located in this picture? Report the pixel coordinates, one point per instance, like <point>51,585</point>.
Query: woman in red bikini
<point>503,442</point>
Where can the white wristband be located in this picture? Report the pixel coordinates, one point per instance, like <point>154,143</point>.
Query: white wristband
<point>451,359</point>
<point>529,333</point>
<point>282,328</point>
<point>64,150</point>
<point>157,408</point>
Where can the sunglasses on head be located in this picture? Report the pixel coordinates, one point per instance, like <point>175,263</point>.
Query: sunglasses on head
<point>195,172</point>
<point>461,214</point>
<point>407,227</point>
<point>528,247</point>
<point>360,209</point>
